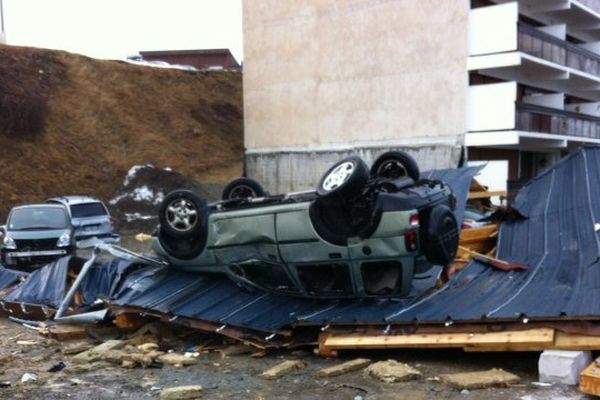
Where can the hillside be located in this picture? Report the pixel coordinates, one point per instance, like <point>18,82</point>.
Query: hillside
<point>75,125</point>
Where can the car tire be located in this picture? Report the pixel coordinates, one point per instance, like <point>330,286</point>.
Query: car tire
<point>242,188</point>
<point>439,234</point>
<point>183,248</point>
<point>344,180</point>
<point>182,214</point>
<point>394,165</point>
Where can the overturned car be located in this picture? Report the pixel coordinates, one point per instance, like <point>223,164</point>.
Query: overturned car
<point>363,232</point>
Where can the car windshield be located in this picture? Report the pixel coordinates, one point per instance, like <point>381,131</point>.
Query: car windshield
<point>32,218</point>
<point>86,210</point>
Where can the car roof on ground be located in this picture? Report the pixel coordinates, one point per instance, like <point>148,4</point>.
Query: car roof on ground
<point>71,200</point>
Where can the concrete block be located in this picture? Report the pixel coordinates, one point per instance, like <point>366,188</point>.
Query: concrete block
<point>348,366</point>
<point>561,366</point>
<point>282,369</point>
<point>391,371</point>
<point>480,379</point>
<point>182,393</point>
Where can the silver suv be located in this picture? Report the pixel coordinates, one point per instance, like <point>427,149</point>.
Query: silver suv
<point>89,216</point>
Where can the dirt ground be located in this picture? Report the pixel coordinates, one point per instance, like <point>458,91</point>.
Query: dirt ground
<point>70,124</point>
<point>23,350</point>
<point>236,377</point>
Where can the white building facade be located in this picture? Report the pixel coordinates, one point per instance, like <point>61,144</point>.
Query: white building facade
<point>514,82</point>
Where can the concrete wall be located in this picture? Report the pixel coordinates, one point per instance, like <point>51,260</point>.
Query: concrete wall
<point>326,78</point>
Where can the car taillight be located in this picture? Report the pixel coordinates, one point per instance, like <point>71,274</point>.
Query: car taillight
<point>411,241</point>
<point>414,220</point>
<point>112,221</point>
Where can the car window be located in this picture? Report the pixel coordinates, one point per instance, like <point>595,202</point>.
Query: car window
<point>32,218</point>
<point>87,210</point>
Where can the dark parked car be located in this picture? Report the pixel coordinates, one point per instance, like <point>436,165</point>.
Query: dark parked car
<point>89,217</point>
<point>362,233</point>
<point>36,234</point>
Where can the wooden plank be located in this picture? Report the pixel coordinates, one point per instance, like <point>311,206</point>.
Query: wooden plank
<point>589,382</point>
<point>569,341</point>
<point>486,194</point>
<point>541,336</point>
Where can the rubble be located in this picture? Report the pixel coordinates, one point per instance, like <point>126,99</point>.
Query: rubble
<point>480,379</point>
<point>182,393</point>
<point>392,371</point>
<point>177,360</point>
<point>98,353</point>
<point>348,366</point>
<point>282,369</point>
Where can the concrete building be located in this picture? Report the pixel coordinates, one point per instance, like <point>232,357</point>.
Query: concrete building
<point>534,81</point>
<point>327,78</point>
<point>201,59</point>
<point>516,82</point>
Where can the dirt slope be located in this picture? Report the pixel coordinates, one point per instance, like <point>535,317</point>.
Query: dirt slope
<point>74,125</point>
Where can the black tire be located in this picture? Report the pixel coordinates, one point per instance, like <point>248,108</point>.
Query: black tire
<point>184,248</point>
<point>439,234</point>
<point>394,165</point>
<point>182,214</point>
<point>344,180</point>
<point>242,188</point>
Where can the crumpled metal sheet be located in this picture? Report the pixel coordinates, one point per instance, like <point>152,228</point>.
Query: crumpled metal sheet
<point>9,277</point>
<point>44,286</point>
<point>558,240</point>
<point>47,285</point>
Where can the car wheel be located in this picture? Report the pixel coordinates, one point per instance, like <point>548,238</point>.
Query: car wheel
<point>243,188</point>
<point>394,165</point>
<point>184,248</point>
<point>439,234</point>
<point>345,179</point>
<point>182,214</point>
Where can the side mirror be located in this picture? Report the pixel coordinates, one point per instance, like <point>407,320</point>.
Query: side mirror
<point>2,230</point>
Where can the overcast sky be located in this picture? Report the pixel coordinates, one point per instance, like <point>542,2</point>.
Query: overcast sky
<point>118,28</point>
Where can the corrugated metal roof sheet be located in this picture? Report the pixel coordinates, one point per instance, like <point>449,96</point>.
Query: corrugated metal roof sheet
<point>9,277</point>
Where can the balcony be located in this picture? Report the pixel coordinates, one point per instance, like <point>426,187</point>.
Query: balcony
<point>547,47</point>
<point>533,118</point>
<point>502,47</point>
<point>497,118</point>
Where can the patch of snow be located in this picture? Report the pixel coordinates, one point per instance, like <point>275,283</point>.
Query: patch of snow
<point>137,216</point>
<point>168,169</point>
<point>143,193</point>
<point>160,196</point>
<point>118,199</point>
<point>133,172</point>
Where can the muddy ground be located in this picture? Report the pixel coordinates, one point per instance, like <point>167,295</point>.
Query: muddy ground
<point>236,377</point>
<point>23,350</point>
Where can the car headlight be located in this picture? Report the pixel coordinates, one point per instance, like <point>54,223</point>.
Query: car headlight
<point>9,243</point>
<point>64,240</point>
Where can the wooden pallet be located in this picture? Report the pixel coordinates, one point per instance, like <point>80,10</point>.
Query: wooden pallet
<point>524,340</point>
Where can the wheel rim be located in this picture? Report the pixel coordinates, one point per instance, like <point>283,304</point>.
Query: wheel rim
<point>392,169</point>
<point>243,192</point>
<point>338,176</point>
<point>182,215</point>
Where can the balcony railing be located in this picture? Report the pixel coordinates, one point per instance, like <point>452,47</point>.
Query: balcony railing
<point>534,118</point>
<point>540,44</point>
<point>593,4</point>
